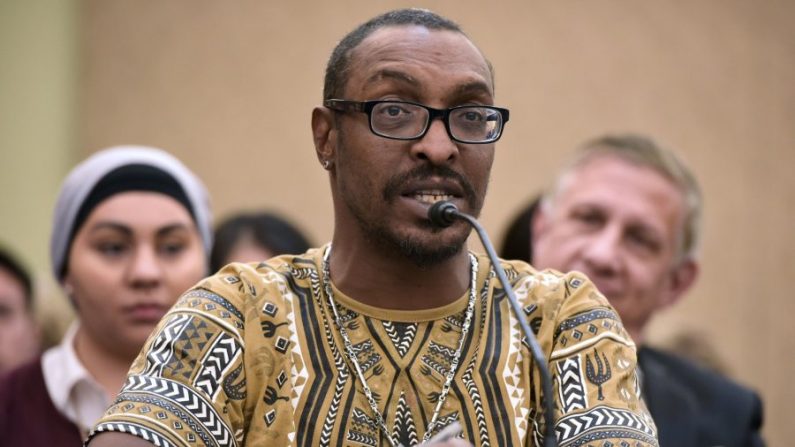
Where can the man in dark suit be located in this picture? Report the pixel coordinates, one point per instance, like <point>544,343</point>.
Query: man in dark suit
<point>626,213</point>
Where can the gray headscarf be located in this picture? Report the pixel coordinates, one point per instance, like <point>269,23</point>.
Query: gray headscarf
<point>79,185</point>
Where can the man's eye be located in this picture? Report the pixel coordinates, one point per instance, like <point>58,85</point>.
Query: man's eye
<point>644,241</point>
<point>589,218</point>
<point>473,116</point>
<point>394,111</point>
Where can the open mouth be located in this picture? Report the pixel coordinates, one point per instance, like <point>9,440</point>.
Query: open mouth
<point>431,197</point>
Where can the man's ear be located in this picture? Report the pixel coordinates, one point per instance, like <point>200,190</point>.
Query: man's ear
<point>680,280</point>
<point>324,134</point>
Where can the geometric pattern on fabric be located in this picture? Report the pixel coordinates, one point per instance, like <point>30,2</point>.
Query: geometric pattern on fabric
<point>512,375</point>
<point>401,335</point>
<point>571,384</point>
<point>138,430</point>
<point>363,429</point>
<point>404,431</point>
<point>162,348</point>
<point>184,398</point>
<point>477,403</point>
<point>187,348</point>
<point>253,355</point>
<point>333,412</point>
<point>585,317</point>
<point>570,429</point>
<point>217,299</point>
<point>439,358</point>
<point>215,364</point>
<point>312,296</point>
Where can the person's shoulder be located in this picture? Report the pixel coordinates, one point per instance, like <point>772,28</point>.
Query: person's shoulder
<point>21,386</point>
<point>549,285</point>
<point>729,410</point>
<point>21,377</point>
<point>709,385</point>
<point>242,283</point>
<point>687,369</point>
<point>521,271</point>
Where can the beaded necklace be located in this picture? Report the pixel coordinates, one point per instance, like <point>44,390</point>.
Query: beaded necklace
<point>473,262</point>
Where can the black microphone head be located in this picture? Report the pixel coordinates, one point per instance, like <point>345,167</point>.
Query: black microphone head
<point>442,213</point>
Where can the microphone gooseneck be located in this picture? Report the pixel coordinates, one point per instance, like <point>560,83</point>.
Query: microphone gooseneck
<point>443,214</point>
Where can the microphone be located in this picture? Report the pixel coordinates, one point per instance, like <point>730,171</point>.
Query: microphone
<point>443,214</point>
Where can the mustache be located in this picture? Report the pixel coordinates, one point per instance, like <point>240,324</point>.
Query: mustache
<point>395,184</point>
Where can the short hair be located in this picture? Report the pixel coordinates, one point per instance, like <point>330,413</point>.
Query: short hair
<point>268,230</point>
<point>339,63</point>
<point>645,152</point>
<point>15,268</point>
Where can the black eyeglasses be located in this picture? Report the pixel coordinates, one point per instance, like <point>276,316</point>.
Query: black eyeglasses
<point>402,120</point>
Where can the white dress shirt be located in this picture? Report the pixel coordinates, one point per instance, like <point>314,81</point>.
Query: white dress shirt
<point>72,389</point>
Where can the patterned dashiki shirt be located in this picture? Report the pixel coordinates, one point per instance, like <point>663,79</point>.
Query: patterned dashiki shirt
<point>252,356</point>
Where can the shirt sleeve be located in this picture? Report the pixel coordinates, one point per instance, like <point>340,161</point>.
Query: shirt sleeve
<point>189,385</point>
<point>592,361</point>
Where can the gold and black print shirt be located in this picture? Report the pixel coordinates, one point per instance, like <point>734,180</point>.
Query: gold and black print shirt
<point>253,356</point>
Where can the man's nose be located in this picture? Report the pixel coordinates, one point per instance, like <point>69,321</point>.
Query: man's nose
<point>602,254</point>
<point>436,145</point>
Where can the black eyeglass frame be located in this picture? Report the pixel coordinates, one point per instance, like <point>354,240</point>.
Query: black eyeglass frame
<point>344,105</point>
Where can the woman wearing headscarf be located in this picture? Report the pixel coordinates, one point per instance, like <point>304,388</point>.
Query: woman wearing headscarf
<point>131,231</point>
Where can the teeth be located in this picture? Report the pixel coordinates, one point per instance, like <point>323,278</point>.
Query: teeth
<point>432,197</point>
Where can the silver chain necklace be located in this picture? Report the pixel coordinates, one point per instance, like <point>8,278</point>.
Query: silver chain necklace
<point>473,275</point>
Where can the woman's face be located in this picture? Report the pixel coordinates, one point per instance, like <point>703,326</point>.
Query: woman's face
<point>129,262</point>
<point>247,249</point>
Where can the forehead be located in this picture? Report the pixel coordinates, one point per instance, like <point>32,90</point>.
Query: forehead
<point>623,188</point>
<point>140,209</point>
<point>441,60</point>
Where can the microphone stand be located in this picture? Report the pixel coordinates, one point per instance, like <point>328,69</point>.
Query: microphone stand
<point>443,213</point>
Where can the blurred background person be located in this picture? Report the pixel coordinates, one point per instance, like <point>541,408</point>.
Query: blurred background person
<point>256,236</point>
<point>626,213</point>
<point>131,231</point>
<point>517,243</point>
<point>20,334</point>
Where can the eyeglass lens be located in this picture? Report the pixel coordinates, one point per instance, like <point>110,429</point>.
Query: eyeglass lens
<point>467,124</point>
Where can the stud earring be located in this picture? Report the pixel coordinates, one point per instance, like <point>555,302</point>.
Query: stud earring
<point>326,164</point>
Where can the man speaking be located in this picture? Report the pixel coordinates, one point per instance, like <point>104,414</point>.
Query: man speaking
<point>394,331</point>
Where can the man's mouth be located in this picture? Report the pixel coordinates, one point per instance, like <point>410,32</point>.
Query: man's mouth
<point>431,197</point>
<point>428,184</point>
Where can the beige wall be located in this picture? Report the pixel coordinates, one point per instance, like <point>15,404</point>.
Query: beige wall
<point>228,87</point>
<point>38,68</point>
